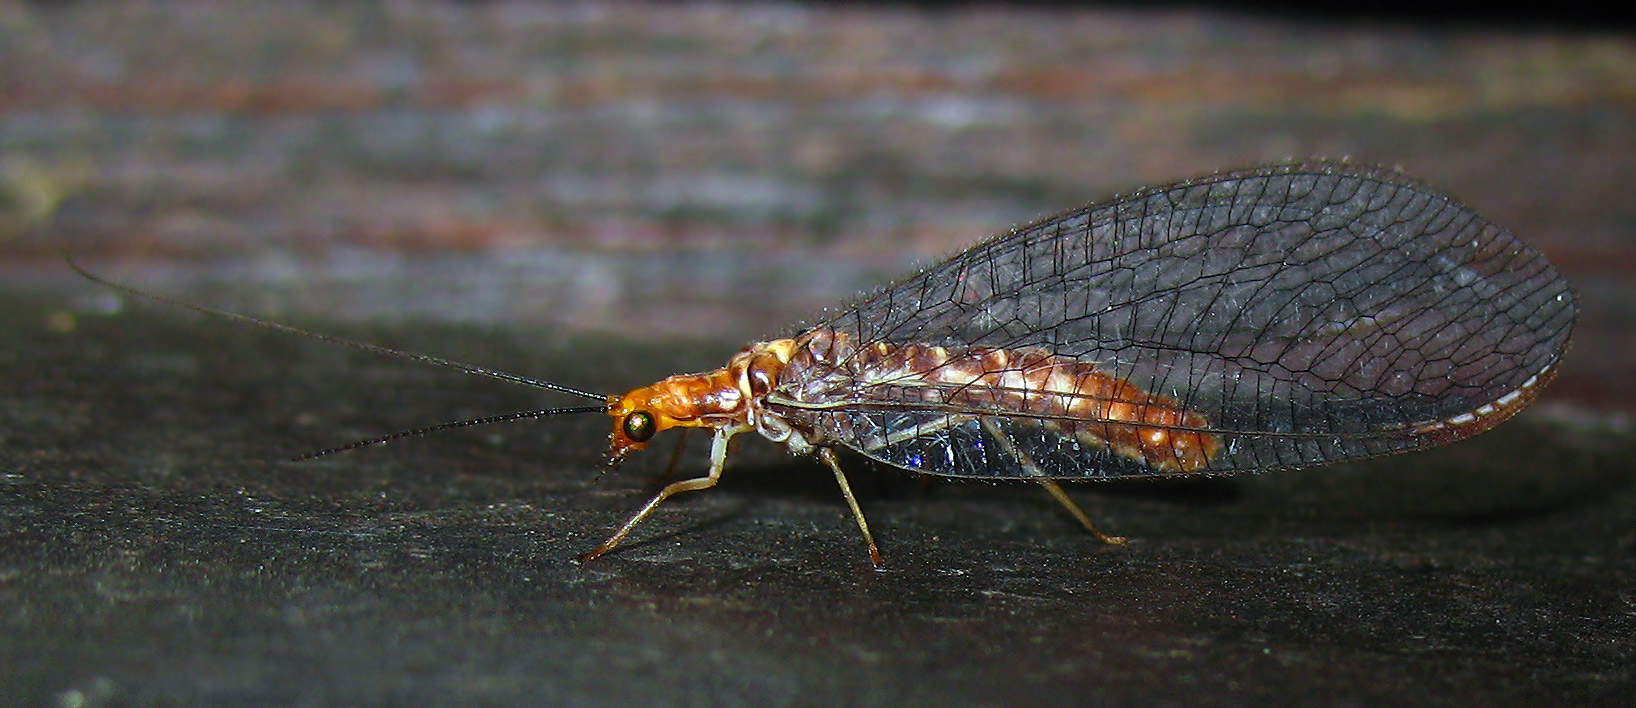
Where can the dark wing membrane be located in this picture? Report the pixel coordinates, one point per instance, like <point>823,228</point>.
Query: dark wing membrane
<point>995,447</point>
<point>1310,313</point>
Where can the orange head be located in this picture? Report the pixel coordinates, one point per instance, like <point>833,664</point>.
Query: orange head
<point>714,399</point>
<point>708,400</point>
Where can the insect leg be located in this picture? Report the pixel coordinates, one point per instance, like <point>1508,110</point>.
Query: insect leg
<point>1078,513</point>
<point>828,456</point>
<point>718,460</point>
<point>1050,485</point>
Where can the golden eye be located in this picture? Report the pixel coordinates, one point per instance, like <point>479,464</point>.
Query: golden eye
<point>639,426</point>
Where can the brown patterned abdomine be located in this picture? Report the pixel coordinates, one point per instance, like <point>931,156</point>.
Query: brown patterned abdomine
<point>1028,383</point>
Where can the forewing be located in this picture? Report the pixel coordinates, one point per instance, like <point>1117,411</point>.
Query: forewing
<point>1310,313</point>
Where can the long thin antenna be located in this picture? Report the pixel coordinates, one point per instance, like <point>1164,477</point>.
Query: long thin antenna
<point>486,420</point>
<point>373,348</point>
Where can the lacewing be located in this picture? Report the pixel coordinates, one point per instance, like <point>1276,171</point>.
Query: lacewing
<point>1281,317</point>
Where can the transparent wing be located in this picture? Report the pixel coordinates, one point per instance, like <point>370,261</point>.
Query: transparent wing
<point>1310,313</point>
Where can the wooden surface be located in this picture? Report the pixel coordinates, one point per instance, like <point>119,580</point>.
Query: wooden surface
<point>605,195</point>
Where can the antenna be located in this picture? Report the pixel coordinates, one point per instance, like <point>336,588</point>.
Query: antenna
<point>487,420</point>
<point>373,348</point>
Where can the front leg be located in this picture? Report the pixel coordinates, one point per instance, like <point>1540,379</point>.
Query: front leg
<point>718,460</point>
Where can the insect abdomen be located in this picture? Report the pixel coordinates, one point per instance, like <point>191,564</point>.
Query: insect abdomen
<point>1028,385</point>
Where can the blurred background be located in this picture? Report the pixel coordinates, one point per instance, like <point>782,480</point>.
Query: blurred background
<point>604,193</point>
<point>723,171</point>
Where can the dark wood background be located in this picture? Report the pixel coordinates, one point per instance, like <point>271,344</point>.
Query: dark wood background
<point>604,194</point>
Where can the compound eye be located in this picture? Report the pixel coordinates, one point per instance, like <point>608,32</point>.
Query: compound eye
<point>639,426</point>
